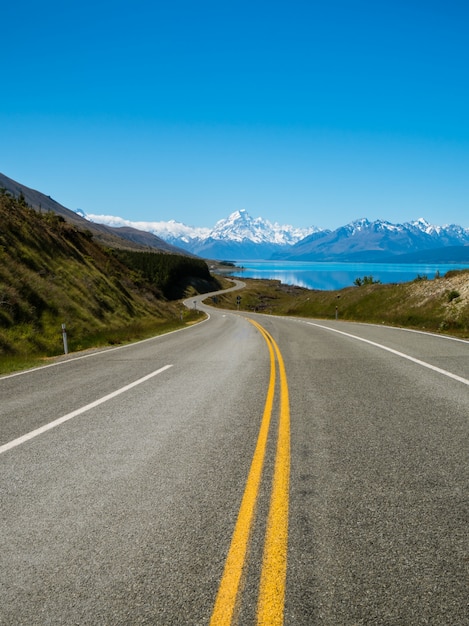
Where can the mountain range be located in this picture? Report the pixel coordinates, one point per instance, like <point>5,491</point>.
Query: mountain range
<point>381,241</point>
<point>241,237</point>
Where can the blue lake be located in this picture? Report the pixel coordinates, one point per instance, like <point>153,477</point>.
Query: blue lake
<point>330,276</point>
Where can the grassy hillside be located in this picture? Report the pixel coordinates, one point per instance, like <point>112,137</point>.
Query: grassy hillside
<point>438,305</point>
<point>52,273</point>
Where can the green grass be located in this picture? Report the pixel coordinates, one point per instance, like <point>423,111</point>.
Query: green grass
<point>138,330</point>
<point>11,364</point>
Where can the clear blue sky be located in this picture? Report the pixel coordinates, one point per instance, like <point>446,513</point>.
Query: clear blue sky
<point>302,112</point>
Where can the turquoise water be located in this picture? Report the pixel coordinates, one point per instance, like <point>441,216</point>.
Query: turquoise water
<point>337,275</point>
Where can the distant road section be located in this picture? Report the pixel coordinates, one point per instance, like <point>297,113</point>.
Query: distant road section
<point>127,476</point>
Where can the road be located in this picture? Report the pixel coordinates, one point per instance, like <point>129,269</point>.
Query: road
<point>191,479</point>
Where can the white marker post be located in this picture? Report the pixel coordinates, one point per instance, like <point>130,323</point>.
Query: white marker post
<point>64,335</point>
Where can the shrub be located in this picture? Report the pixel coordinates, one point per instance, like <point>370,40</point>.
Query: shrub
<point>453,294</point>
<point>451,273</point>
<point>366,280</point>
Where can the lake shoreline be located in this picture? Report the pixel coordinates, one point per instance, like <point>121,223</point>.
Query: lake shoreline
<point>330,276</point>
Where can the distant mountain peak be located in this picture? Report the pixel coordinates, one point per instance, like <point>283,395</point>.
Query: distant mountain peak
<point>240,214</point>
<point>361,222</point>
<point>240,225</point>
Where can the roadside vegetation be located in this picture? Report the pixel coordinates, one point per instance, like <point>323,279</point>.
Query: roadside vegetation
<point>166,272</point>
<point>52,273</point>
<point>440,305</point>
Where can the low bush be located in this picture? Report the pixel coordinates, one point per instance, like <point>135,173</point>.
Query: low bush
<point>453,294</point>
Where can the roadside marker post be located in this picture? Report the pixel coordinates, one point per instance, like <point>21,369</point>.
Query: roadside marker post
<point>64,336</point>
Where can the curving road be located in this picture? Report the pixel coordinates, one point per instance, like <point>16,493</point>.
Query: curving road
<point>191,479</point>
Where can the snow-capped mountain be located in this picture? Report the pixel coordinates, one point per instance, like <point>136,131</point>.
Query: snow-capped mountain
<point>240,226</point>
<point>367,241</point>
<point>238,236</point>
<point>242,237</point>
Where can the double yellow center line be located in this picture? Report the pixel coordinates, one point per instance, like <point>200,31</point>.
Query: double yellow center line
<point>270,606</point>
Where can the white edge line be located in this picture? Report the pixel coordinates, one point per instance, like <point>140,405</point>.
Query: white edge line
<point>407,330</point>
<point>69,416</point>
<point>414,330</point>
<point>465,381</point>
<point>72,359</point>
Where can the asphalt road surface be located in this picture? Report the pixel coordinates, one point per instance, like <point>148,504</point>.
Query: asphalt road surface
<point>281,471</point>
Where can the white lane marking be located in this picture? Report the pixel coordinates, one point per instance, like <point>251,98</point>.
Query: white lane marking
<point>465,381</point>
<point>69,416</point>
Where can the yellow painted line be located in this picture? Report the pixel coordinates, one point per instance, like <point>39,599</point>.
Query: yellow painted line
<point>274,565</point>
<point>270,607</point>
<point>230,583</point>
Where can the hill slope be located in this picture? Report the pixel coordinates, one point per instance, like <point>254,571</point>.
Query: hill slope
<point>52,273</point>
